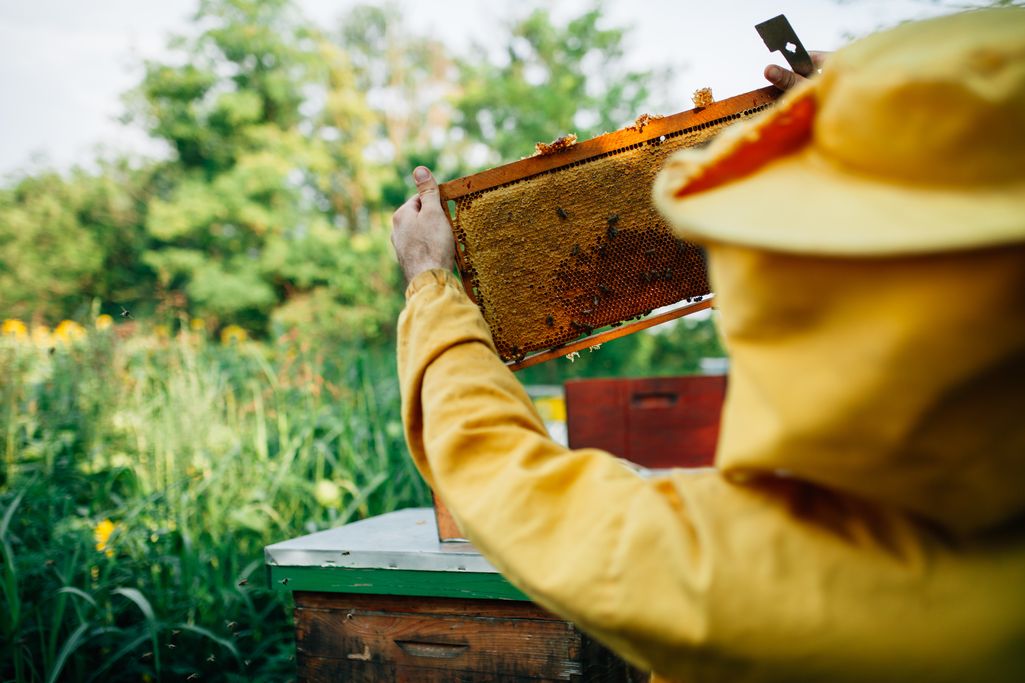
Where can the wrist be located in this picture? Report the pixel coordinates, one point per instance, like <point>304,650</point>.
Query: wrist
<point>414,269</point>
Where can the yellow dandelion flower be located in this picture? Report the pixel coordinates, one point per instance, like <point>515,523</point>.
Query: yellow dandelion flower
<point>69,332</point>
<point>102,534</point>
<point>12,327</point>
<point>197,325</point>
<point>104,322</point>
<point>233,334</point>
<point>161,331</point>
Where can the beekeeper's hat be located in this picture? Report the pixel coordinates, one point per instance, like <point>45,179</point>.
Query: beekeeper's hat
<point>910,141</point>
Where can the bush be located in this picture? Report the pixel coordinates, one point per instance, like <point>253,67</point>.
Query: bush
<point>142,478</point>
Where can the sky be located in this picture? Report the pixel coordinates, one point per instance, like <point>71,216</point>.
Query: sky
<point>64,64</point>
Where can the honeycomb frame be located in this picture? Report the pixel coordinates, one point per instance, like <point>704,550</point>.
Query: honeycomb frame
<point>555,247</point>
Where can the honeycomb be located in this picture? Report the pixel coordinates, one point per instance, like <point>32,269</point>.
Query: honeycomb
<point>555,256</point>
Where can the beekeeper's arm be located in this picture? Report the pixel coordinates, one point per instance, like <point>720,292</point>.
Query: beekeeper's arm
<point>576,530</point>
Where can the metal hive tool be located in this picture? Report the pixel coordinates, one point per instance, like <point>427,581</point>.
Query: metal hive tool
<point>556,247</point>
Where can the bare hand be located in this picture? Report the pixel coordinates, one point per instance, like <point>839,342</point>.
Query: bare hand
<point>420,231</point>
<point>784,79</point>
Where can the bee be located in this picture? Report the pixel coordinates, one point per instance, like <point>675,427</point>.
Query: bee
<point>669,273</point>
<point>243,582</point>
<point>649,252</point>
<point>192,677</point>
<point>613,219</point>
<point>146,655</point>
<point>550,321</point>
<point>174,633</point>
<point>171,646</point>
<point>594,301</point>
<point>211,658</point>
<point>604,290</point>
<point>562,212</point>
<point>611,231</point>
<point>125,313</point>
<point>586,311</point>
<point>231,625</point>
<point>576,250</point>
<point>284,581</point>
<point>615,324</point>
<point>646,276</point>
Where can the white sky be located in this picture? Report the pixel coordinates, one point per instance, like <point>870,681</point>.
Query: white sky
<point>65,63</point>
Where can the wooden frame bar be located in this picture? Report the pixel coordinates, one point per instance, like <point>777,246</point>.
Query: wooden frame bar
<point>654,128</point>
<point>614,333</point>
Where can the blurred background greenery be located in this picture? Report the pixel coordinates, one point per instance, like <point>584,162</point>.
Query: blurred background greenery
<point>197,351</point>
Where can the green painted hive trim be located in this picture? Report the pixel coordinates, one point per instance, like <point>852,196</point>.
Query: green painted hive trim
<point>394,582</point>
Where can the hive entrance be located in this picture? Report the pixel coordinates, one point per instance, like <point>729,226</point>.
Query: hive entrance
<point>555,247</point>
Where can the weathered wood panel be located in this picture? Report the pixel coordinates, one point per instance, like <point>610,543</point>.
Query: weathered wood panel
<point>518,647</point>
<point>341,637</point>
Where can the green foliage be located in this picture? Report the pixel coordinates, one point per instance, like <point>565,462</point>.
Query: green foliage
<point>554,80</point>
<point>45,252</point>
<point>185,459</point>
<point>289,148</point>
<point>260,185</point>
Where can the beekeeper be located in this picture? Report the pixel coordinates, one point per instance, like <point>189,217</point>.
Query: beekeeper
<point>866,522</point>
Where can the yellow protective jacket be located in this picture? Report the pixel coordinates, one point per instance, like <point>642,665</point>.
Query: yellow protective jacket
<point>865,520</point>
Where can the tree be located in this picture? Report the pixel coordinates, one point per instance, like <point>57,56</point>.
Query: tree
<point>269,185</point>
<point>45,252</point>
<point>413,81</point>
<point>553,80</point>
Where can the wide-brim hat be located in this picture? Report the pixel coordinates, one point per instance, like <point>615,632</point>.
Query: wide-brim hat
<point>910,141</point>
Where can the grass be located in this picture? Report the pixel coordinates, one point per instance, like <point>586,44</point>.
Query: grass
<point>143,475</point>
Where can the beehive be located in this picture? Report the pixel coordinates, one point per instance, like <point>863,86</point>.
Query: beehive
<point>555,247</point>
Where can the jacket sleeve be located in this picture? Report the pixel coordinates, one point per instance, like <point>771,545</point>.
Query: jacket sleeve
<point>576,530</point>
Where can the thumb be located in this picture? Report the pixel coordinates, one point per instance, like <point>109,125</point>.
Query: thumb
<point>782,78</point>
<point>426,185</point>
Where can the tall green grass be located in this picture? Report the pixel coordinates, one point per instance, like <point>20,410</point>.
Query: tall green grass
<point>142,477</point>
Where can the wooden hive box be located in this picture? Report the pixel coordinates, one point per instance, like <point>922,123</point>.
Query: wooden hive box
<point>382,600</point>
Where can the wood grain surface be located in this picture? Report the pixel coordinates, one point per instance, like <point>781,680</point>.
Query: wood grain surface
<point>342,637</point>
